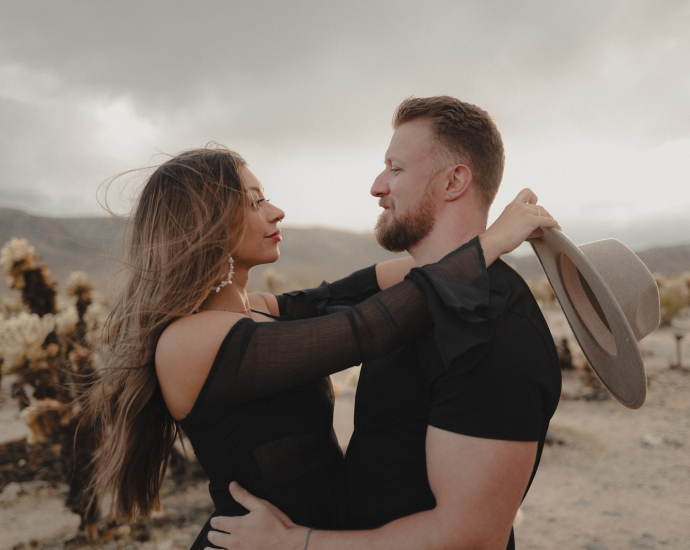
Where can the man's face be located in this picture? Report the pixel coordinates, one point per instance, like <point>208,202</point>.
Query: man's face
<point>404,188</point>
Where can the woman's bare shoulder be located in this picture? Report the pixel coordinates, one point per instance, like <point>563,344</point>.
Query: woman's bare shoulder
<point>184,356</point>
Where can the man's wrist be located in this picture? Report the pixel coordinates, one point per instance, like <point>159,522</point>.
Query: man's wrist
<point>298,537</point>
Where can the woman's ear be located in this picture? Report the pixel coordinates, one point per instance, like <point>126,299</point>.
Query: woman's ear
<point>459,182</point>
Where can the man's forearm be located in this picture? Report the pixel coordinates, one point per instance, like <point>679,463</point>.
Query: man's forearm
<point>430,530</point>
<point>415,532</point>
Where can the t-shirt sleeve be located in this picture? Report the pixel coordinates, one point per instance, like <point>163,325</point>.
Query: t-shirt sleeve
<point>506,392</point>
<point>330,297</point>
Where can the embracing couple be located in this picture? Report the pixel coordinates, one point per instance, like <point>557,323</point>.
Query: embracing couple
<point>459,373</point>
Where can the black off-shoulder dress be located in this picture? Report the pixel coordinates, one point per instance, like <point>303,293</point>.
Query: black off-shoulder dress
<point>264,415</point>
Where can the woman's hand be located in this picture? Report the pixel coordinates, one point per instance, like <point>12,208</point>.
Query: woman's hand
<point>265,527</point>
<point>521,220</point>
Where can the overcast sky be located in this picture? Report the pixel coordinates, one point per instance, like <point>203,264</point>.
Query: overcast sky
<point>592,99</point>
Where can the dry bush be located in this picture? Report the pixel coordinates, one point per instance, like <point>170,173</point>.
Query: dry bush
<point>542,291</point>
<point>674,296</point>
<point>273,282</point>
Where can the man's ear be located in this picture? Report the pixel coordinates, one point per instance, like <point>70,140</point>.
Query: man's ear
<point>459,181</point>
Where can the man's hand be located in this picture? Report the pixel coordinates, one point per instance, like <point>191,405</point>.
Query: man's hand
<point>263,528</point>
<point>521,220</point>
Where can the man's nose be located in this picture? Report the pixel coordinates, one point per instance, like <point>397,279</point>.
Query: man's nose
<point>380,186</point>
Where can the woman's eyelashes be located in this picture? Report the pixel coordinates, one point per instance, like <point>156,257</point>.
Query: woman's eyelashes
<point>257,202</point>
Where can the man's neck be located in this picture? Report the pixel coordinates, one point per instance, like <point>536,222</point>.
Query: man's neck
<point>449,233</point>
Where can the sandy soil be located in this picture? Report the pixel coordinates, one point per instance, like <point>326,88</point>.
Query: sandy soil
<point>614,479</point>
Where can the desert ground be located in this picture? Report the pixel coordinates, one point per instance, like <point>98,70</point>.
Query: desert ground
<point>611,478</point>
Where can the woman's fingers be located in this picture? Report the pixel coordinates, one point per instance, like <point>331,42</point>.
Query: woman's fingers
<point>526,196</point>
<point>546,219</point>
<point>521,220</point>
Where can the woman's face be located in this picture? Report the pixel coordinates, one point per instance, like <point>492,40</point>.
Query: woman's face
<point>259,244</point>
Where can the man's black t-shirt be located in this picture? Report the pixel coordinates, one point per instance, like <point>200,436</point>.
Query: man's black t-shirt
<point>505,388</point>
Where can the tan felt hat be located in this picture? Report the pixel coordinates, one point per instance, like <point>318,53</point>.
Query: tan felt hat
<point>611,301</point>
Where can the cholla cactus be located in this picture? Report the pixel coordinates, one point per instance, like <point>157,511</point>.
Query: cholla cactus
<point>21,341</point>
<point>674,296</point>
<point>10,305</point>
<point>17,257</point>
<point>66,322</point>
<point>543,293</point>
<point>46,419</point>
<point>78,285</point>
<point>95,318</point>
<point>48,351</point>
<point>273,282</point>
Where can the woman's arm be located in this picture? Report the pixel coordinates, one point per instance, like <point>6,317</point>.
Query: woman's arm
<point>393,271</point>
<point>522,217</point>
<point>348,291</point>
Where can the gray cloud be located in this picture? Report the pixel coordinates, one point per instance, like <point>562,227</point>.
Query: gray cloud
<point>274,63</point>
<point>90,88</point>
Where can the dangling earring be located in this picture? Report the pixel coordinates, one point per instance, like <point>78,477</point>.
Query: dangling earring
<point>228,278</point>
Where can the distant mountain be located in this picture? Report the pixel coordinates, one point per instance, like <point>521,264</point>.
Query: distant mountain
<point>308,255</point>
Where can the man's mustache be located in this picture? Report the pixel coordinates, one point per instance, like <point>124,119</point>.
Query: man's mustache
<point>384,203</point>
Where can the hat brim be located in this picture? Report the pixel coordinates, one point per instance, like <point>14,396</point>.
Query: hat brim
<point>612,351</point>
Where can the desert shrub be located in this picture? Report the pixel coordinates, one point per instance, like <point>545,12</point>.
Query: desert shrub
<point>542,291</point>
<point>273,282</point>
<point>674,296</point>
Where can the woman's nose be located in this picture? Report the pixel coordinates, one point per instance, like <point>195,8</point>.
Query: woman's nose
<point>278,214</point>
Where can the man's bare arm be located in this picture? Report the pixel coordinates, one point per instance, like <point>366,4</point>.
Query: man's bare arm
<point>478,484</point>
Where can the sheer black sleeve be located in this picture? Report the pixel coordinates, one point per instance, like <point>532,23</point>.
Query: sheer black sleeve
<point>330,297</point>
<point>260,359</point>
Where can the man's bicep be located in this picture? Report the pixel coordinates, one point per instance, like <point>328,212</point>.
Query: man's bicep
<point>478,483</point>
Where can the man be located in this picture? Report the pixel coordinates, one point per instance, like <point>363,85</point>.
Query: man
<point>444,449</point>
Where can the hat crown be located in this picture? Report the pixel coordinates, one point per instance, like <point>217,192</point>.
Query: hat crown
<point>630,282</point>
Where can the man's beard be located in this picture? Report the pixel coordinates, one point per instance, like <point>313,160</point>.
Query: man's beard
<point>403,233</point>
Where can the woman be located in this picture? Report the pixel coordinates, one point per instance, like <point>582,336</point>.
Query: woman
<point>186,345</point>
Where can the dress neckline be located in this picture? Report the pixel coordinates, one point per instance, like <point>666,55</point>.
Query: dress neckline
<point>265,314</point>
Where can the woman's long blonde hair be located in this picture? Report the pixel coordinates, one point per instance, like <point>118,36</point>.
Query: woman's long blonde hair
<point>187,219</point>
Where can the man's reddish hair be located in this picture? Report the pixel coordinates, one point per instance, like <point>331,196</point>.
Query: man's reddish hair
<point>467,135</point>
